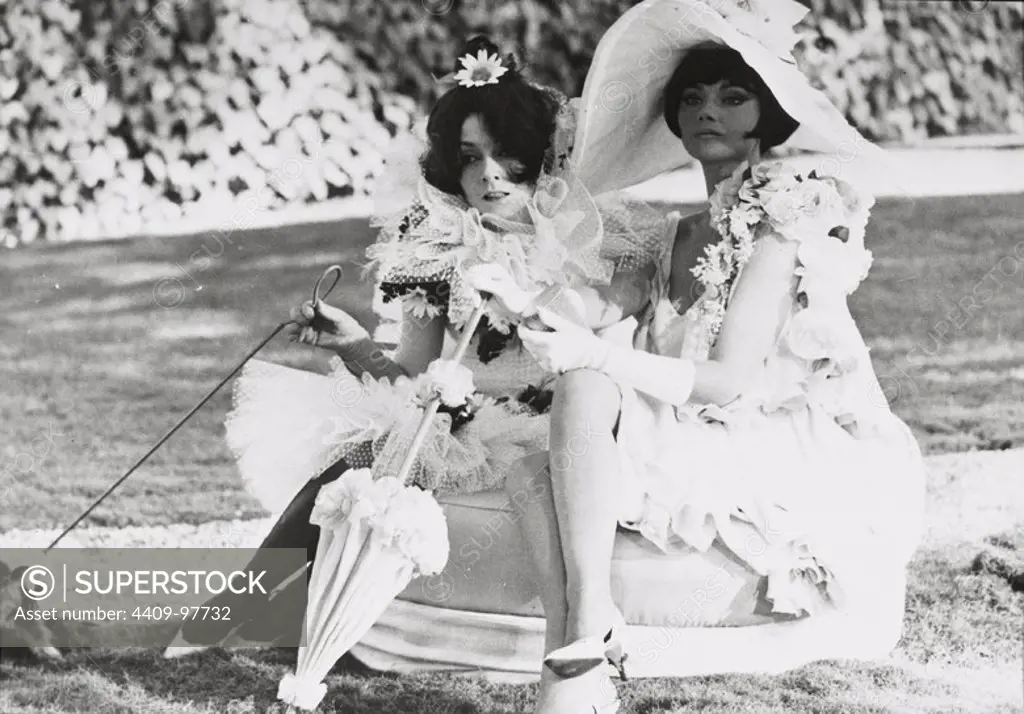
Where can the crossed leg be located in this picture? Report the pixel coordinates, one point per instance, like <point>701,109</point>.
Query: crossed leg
<point>529,488</point>
<point>584,462</point>
<point>568,500</point>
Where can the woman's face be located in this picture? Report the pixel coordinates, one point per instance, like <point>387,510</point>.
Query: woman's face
<point>714,120</point>
<point>489,177</point>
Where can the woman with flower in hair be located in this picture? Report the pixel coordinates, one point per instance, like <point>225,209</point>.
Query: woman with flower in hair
<point>494,187</point>
<point>746,419</point>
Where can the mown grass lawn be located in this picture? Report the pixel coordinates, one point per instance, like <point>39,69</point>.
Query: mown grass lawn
<point>105,345</point>
<point>961,653</point>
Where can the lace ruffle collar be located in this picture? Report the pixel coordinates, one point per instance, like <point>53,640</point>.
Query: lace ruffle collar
<point>440,236</point>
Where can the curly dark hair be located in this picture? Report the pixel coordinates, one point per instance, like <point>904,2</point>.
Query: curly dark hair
<point>710,65</point>
<point>520,117</point>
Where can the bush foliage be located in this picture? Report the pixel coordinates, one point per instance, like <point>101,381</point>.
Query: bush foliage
<point>901,70</point>
<point>120,116</point>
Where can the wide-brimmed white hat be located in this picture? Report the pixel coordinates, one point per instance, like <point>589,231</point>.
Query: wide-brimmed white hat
<point>622,138</point>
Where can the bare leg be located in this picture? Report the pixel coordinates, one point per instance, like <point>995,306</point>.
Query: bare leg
<point>584,475</point>
<point>529,490</point>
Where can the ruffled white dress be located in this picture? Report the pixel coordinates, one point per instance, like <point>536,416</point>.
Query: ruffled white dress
<point>808,477</point>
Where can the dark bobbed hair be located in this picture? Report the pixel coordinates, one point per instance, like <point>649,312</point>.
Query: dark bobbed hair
<point>710,65</point>
<point>519,116</point>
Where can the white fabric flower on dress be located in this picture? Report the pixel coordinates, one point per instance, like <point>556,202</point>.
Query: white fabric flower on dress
<point>829,264</point>
<point>451,381</point>
<point>855,201</point>
<point>816,333</point>
<point>809,209</point>
<point>819,198</point>
<point>480,70</point>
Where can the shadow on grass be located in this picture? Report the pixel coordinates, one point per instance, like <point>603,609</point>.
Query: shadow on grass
<point>219,681</point>
<point>246,681</point>
<point>110,342</point>
<point>961,641</point>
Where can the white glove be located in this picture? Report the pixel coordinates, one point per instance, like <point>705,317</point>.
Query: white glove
<point>570,346</point>
<point>495,280</point>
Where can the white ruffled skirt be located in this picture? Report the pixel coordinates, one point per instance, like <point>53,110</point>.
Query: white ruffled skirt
<point>822,514</point>
<point>288,425</point>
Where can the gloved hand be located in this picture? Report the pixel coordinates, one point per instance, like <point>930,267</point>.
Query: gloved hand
<point>566,347</point>
<point>495,280</point>
<point>570,346</point>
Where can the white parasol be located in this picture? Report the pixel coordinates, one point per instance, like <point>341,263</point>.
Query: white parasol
<point>376,535</point>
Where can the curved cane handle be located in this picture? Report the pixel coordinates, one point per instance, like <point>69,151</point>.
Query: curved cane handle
<point>318,323</point>
<point>317,297</point>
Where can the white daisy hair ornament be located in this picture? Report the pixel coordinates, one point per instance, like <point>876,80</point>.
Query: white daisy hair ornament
<point>481,70</point>
<point>622,137</point>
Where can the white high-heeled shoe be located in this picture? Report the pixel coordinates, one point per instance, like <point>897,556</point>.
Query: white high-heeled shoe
<point>594,694</point>
<point>581,656</point>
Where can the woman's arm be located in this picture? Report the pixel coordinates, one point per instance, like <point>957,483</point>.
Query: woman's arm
<point>753,319</point>
<point>760,302</point>
<point>420,342</point>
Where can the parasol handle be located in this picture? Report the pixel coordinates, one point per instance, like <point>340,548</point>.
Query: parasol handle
<point>432,406</point>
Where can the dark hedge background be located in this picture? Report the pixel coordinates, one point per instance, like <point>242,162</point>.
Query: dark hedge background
<point>119,117</point>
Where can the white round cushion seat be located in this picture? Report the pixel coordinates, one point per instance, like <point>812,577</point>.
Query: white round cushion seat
<point>689,613</point>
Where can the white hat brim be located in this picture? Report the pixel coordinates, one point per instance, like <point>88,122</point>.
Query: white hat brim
<point>622,138</point>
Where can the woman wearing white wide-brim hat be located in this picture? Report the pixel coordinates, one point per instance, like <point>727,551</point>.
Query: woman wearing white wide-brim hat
<point>748,416</point>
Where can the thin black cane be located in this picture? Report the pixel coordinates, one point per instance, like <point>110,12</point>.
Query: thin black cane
<point>181,422</point>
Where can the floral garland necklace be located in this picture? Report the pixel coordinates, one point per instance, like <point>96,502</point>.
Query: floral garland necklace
<point>718,268</point>
<point>825,215</point>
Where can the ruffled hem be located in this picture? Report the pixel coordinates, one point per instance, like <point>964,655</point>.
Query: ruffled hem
<point>814,509</point>
<point>288,425</point>
<point>797,584</point>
